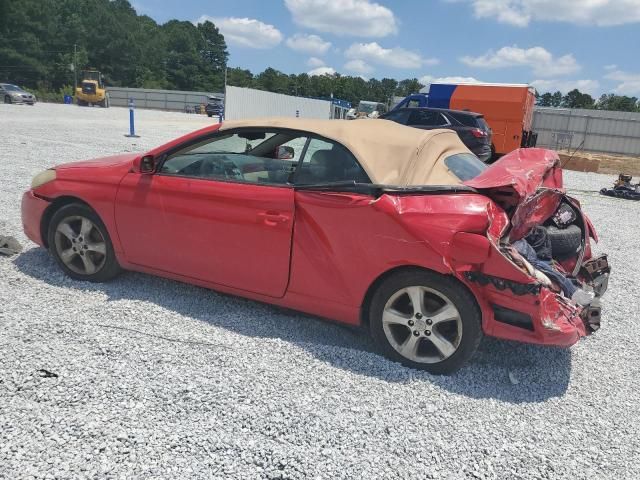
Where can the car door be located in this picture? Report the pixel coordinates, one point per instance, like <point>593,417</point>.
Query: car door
<point>219,210</point>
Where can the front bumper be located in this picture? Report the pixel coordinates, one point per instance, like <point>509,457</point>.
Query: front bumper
<point>25,100</point>
<point>33,208</point>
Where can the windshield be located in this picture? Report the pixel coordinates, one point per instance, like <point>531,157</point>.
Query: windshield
<point>91,75</point>
<point>11,88</point>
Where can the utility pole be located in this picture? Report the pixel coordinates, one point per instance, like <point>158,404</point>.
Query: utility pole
<point>75,68</point>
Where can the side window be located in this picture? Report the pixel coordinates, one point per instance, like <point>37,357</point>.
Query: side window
<point>423,118</point>
<point>413,104</point>
<point>466,120</point>
<point>427,118</point>
<point>253,156</point>
<point>327,162</point>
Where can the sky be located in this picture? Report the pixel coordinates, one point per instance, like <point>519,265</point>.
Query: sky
<point>592,45</point>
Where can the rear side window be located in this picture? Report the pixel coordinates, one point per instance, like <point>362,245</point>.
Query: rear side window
<point>467,120</point>
<point>328,162</point>
<point>465,166</point>
<point>482,123</point>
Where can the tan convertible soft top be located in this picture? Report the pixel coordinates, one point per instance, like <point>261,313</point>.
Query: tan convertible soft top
<point>390,153</point>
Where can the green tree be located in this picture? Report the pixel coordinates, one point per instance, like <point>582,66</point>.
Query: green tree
<point>620,103</point>
<point>408,86</point>
<point>37,39</point>
<point>545,100</point>
<point>577,99</point>
<point>239,77</point>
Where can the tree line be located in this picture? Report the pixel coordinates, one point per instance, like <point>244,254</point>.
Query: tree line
<point>576,99</point>
<point>40,41</point>
<point>352,89</point>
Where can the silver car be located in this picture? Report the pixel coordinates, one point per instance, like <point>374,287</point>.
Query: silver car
<point>14,94</point>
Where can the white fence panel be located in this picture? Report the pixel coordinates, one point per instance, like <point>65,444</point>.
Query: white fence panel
<point>590,130</point>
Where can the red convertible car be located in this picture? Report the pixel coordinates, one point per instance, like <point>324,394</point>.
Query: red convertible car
<point>370,223</point>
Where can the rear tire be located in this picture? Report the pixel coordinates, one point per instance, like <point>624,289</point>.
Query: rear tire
<point>438,335</point>
<point>564,241</point>
<point>81,245</point>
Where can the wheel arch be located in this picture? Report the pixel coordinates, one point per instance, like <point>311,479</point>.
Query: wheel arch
<point>366,302</point>
<point>56,205</point>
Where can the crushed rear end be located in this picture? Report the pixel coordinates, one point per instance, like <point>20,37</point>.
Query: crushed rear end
<point>519,301</point>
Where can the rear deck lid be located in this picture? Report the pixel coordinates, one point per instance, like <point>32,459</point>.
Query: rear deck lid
<point>526,183</point>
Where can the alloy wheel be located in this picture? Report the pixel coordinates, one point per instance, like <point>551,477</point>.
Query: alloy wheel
<point>422,324</point>
<point>80,245</point>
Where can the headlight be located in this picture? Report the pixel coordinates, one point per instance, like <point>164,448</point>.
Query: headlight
<point>43,177</point>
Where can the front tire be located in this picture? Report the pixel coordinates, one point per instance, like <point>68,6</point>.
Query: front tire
<point>7,99</point>
<point>81,245</point>
<point>425,320</point>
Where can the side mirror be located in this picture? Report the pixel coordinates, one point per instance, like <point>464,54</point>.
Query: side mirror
<point>145,165</point>
<point>285,152</point>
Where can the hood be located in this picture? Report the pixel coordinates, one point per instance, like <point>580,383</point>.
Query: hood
<point>103,162</point>
<point>526,183</point>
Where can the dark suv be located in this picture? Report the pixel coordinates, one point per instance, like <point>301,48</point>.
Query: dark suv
<point>471,127</point>
<point>215,107</point>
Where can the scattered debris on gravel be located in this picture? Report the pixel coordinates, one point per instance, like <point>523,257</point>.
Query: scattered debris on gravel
<point>149,378</point>
<point>9,246</point>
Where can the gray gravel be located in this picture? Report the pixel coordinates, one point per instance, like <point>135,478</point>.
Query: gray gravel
<point>157,379</point>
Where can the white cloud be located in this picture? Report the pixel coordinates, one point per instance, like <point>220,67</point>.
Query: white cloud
<point>358,66</point>
<point>628,83</point>
<point>358,18</point>
<point>246,32</point>
<point>312,44</point>
<point>428,79</point>
<point>585,86</point>
<point>389,57</point>
<point>540,60</point>
<point>322,71</point>
<point>315,62</point>
<point>582,12</point>
<point>611,67</point>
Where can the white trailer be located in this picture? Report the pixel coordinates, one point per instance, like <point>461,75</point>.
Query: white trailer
<point>241,103</point>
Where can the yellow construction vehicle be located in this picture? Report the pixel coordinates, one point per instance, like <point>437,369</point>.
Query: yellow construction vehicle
<point>91,90</point>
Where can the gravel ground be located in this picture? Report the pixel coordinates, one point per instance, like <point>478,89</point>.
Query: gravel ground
<point>157,379</point>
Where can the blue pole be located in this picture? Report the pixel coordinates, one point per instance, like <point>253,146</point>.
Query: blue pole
<point>132,128</point>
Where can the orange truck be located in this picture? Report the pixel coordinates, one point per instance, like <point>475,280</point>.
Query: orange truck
<point>507,108</point>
